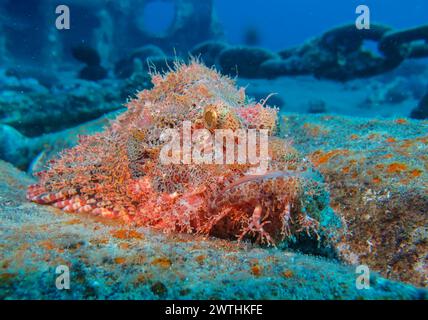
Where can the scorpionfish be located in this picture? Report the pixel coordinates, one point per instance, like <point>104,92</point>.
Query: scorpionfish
<point>118,174</point>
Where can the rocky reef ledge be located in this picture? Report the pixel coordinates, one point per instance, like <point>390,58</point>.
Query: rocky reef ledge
<point>377,173</point>
<point>111,261</point>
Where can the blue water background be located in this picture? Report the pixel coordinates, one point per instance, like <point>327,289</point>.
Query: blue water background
<point>284,23</point>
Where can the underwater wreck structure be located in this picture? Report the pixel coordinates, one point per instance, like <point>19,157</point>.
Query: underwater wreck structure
<point>112,30</point>
<point>338,54</point>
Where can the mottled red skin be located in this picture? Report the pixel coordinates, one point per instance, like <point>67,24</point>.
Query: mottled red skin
<point>117,173</point>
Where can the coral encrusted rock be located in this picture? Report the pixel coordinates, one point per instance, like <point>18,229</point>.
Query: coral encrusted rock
<point>377,173</point>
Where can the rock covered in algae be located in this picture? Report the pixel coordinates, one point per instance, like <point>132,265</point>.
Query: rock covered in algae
<point>377,174</point>
<point>119,173</point>
<point>109,260</point>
